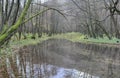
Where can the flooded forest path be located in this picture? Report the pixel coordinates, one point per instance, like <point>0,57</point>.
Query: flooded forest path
<point>60,58</point>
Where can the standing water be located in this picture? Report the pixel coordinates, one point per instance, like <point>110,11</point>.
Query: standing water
<point>61,59</point>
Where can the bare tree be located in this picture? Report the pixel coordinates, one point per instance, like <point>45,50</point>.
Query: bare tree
<point>111,6</point>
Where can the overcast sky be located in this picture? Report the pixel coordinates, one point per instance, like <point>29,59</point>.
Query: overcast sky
<point>42,1</point>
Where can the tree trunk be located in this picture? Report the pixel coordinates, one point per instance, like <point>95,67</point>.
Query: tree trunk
<point>7,35</point>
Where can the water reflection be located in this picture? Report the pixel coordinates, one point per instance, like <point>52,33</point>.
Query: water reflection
<point>48,71</point>
<point>61,59</point>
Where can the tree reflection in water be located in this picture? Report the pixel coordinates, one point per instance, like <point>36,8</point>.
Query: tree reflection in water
<point>54,60</point>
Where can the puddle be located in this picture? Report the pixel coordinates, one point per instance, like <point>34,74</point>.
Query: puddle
<point>61,59</point>
<point>46,71</point>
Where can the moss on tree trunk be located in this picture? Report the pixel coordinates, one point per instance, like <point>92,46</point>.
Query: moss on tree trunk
<point>6,34</point>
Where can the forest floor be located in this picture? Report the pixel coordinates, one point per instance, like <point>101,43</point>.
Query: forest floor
<point>73,36</point>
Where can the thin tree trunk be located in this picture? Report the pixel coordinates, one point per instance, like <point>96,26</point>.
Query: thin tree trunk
<point>7,34</point>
